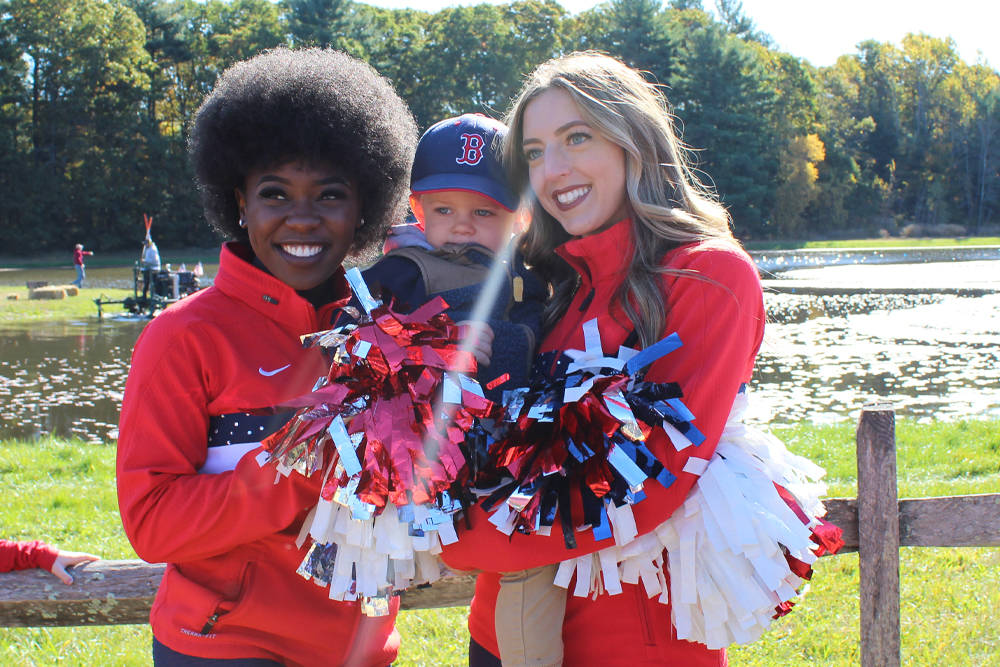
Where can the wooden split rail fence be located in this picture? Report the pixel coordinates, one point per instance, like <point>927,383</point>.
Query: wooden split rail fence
<point>875,524</point>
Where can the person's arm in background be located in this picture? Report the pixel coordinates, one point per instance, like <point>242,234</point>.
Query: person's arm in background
<point>720,320</point>
<point>28,555</point>
<point>169,511</point>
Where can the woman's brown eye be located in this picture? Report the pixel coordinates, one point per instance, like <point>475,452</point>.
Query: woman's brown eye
<point>271,193</point>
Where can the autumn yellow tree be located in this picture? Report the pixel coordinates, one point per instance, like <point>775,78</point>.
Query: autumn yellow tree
<point>798,176</point>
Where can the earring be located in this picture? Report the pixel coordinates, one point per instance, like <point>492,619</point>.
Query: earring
<point>243,223</point>
<point>362,223</point>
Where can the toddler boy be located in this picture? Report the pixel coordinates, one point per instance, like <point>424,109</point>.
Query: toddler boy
<point>466,213</point>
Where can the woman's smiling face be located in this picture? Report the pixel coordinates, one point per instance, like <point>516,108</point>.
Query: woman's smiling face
<point>301,220</point>
<point>578,175</point>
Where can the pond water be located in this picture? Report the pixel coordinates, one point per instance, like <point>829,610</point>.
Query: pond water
<point>65,378</point>
<point>935,356</point>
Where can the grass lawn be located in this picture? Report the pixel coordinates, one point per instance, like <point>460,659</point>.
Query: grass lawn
<point>63,492</point>
<point>873,243</point>
<point>71,308</point>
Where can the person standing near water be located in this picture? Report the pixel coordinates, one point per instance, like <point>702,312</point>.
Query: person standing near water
<point>150,263</point>
<point>81,273</point>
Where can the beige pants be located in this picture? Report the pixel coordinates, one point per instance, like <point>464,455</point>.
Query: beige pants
<point>529,618</point>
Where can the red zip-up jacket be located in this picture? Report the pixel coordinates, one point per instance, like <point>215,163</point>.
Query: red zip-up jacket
<point>228,533</point>
<point>720,320</point>
<point>26,555</point>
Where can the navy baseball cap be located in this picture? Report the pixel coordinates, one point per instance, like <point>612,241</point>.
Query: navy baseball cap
<point>462,154</point>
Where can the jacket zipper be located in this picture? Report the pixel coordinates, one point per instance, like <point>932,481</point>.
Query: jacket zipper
<point>220,610</point>
<point>211,621</point>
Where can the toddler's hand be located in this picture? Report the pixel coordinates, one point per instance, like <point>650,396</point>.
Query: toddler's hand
<point>477,337</point>
<point>67,559</point>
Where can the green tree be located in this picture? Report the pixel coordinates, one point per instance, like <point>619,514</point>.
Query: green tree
<point>975,130</point>
<point>878,97</point>
<point>731,15</point>
<point>337,24</point>
<point>798,175</point>
<point>726,107</point>
<point>97,96</point>
<point>86,78</point>
<point>927,72</point>
<point>843,128</point>
<point>475,57</point>
<point>397,51</point>
<point>635,31</point>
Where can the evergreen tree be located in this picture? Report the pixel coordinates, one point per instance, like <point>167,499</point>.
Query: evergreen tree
<point>635,31</point>
<point>336,24</point>
<point>97,96</point>
<point>725,109</point>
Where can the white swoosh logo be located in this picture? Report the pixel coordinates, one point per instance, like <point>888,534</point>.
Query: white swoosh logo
<point>268,374</point>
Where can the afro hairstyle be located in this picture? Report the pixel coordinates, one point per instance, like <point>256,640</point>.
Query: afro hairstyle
<point>314,106</point>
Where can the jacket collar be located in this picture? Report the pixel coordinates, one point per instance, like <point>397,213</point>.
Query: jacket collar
<point>239,279</point>
<point>602,257</point>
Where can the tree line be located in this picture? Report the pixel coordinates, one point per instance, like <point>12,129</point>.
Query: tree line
<point>97,97</point>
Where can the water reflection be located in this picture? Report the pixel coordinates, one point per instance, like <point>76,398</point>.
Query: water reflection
<point>825,356</point>
<point>64,378</point>
<point>938,360</point>
<point>980,274</point>
<point>774,261</point>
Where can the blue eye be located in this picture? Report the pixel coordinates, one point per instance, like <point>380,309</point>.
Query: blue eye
<point>578,137</point>
<point>532,154</point>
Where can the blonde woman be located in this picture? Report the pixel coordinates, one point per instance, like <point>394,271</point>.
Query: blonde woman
<point>624,233</point>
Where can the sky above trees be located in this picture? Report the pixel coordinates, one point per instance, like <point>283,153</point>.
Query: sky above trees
<point>822,30</point>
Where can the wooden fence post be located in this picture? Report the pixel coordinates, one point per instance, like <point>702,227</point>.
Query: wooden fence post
<point>878,532</point>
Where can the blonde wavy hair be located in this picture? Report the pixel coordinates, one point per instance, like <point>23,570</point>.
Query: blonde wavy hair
<point>669,206</point>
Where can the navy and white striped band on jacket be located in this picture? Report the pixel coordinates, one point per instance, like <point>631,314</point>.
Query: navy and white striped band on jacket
<point>231,436</point>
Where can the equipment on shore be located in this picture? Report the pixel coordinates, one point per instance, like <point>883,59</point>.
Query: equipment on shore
<point>165,287</point>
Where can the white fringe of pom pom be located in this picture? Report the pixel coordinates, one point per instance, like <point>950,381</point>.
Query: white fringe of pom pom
<point>724,544</point>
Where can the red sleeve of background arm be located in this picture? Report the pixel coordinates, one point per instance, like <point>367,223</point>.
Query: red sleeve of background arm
<point>169,511</point>
<point>26,555</point>
<point>720,320</point>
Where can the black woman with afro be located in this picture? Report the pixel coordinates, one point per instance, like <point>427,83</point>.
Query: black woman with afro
<point>303,160</point>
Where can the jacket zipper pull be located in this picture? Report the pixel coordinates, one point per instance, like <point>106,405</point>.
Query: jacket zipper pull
<point>211,621</point>
<point>586,302</point>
